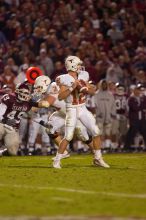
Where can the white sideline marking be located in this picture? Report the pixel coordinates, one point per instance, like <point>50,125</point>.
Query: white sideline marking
<point>115,194</point>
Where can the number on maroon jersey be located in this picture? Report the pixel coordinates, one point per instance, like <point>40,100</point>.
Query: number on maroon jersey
<point>15,115</point>
<point>121,104</point>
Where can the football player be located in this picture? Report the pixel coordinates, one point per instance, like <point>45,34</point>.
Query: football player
<point>13,106</point>
<point>42,83</point>
<point>73,89</point>
<point>56,123</point>
<point>120,123</point>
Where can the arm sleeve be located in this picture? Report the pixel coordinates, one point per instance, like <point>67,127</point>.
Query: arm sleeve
<point>3,109</point>
<point>5,99</point>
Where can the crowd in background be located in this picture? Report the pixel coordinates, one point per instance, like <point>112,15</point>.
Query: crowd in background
<point>109,36</point>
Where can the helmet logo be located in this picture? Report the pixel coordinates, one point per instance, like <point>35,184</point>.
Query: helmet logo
<point>71,60</point>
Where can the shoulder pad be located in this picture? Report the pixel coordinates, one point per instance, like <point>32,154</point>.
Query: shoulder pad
<point>53,88</point>
<point>65,80</point>
<point>84,75</point>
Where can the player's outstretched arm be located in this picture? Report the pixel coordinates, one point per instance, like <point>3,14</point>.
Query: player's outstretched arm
<point>43,104</point>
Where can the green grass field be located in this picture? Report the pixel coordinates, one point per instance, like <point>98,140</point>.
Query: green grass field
<point>29,186</point>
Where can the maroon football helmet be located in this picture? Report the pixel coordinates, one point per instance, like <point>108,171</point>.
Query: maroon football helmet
<point>23,91</point>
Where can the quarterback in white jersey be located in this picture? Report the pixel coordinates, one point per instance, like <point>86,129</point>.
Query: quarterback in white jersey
<point>73,89</point>
<point>57,119</point>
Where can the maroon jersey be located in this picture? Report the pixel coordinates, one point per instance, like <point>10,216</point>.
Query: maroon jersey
<point>15,109</point>
<point>3,92</point>
<point>121,103</point>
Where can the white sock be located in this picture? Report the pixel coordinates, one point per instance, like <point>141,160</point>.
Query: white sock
<point>58,156</point>
<point>97,154</point>
<point>65,152</point>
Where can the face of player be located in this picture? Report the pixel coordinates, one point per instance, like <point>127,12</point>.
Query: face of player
<point>38,90</point>
<point>120,91</point>
<point>24,95</point>
<point>80,68</point>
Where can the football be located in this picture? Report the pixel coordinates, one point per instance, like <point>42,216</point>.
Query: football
<point>82,87</point>
<point>80,83</point>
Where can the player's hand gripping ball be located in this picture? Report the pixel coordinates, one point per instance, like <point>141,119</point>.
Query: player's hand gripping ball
<point>81,86</point>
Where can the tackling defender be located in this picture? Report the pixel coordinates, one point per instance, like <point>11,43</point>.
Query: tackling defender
<point>13,106</point>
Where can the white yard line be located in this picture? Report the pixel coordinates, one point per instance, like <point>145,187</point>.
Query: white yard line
<point>114,194</point>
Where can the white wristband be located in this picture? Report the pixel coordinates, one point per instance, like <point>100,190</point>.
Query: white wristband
<point>84,88</point>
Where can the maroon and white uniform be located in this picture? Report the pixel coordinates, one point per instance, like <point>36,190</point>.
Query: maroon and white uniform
<point>11,113</point>
<point>76,107</point>
<point>14,109</point>
<point>120,123</point>
<point>121,105</point>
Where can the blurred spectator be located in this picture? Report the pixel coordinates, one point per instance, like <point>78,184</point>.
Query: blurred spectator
<point>105,109</point>
<point>114,72</point>
<point>140,77</point>
<point>93,73</point>
<point>95,21</point>
<point>58,70</point>
<point>21,75</point>
<point>140,61</point>
<point>103,64</point>
<point>12,65</point>
<point>8,77</point>
<point>115,34</point>
<point>46,62</point>
<point>2,39</point>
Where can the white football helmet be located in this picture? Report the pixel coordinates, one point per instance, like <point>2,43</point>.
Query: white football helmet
<point>73,63</point>
<point>41,84</point>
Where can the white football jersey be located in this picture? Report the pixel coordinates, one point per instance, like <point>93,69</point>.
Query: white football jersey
<point>75,97</point>
<point>84,75</point>
<point>53,90</point>
<point>65,80</point>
